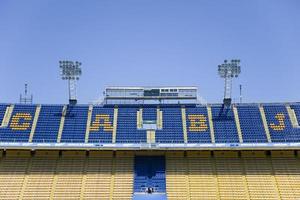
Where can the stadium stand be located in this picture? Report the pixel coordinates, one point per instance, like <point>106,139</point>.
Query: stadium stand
<point>251,124</point>
<point>224,125</point>
<point>20,123</point>
<point>172,130</point>
<point>194,175</point>
<point>247,151</point>
<point>127,126</point>
<point>75,124</point>
<point>149,174</point>
<point>189,124</point>
<point>101,127</point>
<point>281,129</point>
<point>2,112</point>
<point>48,124</point>
<point>197,123</point>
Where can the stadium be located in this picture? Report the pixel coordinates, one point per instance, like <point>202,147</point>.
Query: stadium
<point>152,112</point>
<point>150,143</point>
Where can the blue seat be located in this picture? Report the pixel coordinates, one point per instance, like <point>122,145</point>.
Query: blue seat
<point>280,131</point>
<point>195,136</point>
<point>172,130</point>
<point>20,124</point>
<point>224,125</point>
<point>75,124</point>
<point>2,111</point>
<point>48,124</point>
<point>149,172</point>
<point>149,113</point>
<point>251,123</point>
<point>102,135</point>
<point>296,108</point>
<point>127,131</point>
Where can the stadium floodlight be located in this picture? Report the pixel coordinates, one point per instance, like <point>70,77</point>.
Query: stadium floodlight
<point>70,71</point>
<point>228,71</point>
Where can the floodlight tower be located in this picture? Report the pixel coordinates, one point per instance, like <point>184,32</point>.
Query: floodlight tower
<point>25,99</point>
<point>228,71</point>
<point>70,71</point>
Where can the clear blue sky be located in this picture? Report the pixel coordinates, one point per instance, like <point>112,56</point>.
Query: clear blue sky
<point>150,42</point>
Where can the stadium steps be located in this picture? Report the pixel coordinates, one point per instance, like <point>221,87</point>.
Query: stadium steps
<point>287,172</point>
<point>265,123</point>
<point>202,176</point>
<point>62,122</point>
<point>98,175</point>
<point>25,181</point>
<point>211,124</point>
<point>177,176</point>
<point>115,125</point>
<point>237,122</point>
<point>260,179</point>
<point>183,115</point>
<point>139,118</point>
<point>40,175</point>
<point>12,174</point>
<point>45,175</point>
<point>34,123</point>
<point>7,115</point>
<point>69,172</point>
<point>229,173</point>
<point>88,124</point>
<point>292,116</point>
<point>123,176</point>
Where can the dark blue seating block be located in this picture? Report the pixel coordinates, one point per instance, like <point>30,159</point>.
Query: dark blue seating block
<point>279,123</point>
<point>172,130</point>
<point>102,135</point>
<point>251,123</point>
<point>296,108</point>
<point>201,135</point>
<point>2,111</point>
<point>48,124</point>
<point>20,124</point>
<point>75,124</point>
<point>127,131</point>
<point>149,172</point>
<point>149,113</point>
<point>224,125</point>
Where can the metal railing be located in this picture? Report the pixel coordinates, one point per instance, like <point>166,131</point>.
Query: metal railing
<point>132,141</point>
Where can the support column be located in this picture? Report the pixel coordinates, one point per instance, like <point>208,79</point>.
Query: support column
<point>211,124</point>
<point>62,123</point>
<point>293,116</point>
<point>237,123</point>
<point>34,123</point>
<point>183,117</point>
<point>265,123</point>
<point>7,116</point>
<point>115,125</point>
<point>88,124</point>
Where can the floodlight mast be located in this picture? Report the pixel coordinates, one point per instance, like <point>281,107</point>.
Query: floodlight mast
<point>228,71</point>
<point>71,72</point>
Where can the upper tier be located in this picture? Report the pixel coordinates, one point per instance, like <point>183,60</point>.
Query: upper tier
<point>190,125</point>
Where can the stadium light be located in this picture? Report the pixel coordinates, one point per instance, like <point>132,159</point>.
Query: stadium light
<point>70,71</point>
<point>228,71</point>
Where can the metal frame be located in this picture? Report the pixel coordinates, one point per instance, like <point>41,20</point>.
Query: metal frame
<point>228,71</point>
<point>147,146</point>
<point>70,71</point>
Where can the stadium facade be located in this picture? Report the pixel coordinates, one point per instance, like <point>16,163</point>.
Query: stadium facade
<point>158,145</point>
